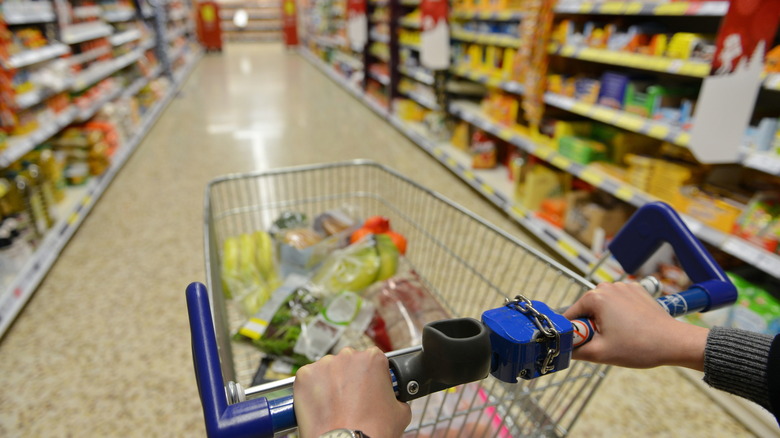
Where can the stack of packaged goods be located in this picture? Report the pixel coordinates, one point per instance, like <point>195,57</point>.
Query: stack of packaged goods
<point>29,191</point>
<point>308,287</point>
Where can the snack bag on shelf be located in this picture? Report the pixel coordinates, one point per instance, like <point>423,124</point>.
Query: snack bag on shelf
<point>758,223</point>
<point>483,151</point>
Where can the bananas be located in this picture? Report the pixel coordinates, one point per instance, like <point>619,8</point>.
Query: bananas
<point>249,269</point>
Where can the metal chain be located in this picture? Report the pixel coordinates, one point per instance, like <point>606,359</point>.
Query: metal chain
<point>545,326</point>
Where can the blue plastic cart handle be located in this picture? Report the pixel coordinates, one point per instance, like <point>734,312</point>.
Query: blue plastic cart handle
<point>251,418</point>
<point>656,223</point>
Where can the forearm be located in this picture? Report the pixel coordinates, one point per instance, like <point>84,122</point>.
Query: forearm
<point>736,361</point>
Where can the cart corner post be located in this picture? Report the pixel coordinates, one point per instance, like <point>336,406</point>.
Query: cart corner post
<point>250,418</point>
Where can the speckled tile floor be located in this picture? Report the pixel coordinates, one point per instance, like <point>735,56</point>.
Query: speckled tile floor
<point>103,348</point>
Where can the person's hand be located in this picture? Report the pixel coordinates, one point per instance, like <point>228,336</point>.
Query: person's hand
<point>351,390</point>
<point>633,331</point>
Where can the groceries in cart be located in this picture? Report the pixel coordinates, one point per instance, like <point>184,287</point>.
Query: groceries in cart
<point>311,287</point>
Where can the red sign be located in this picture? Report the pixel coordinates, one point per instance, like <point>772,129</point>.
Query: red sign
<point>435,36</point>
<point>747,23</point>
<point>357,24</point>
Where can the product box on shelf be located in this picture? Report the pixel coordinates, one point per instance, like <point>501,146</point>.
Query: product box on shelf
<point>759,222</point>
<point>582,150</point>
<point>612,92</point>
<point>714,211</point>
<point>537,181</point>
<point>756,309</point>
<point>483,150</point>
<point>593,217</point>
<point>661,178</point>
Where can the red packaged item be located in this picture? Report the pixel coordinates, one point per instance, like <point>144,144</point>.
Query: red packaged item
<point>403,306</point>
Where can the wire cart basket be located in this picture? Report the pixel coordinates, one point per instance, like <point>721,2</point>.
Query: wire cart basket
<point>466,263</point>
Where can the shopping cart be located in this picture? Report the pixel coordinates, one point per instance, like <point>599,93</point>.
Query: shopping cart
<point>467,264</point>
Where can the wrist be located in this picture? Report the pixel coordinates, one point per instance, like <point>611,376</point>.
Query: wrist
<point>685,346</point>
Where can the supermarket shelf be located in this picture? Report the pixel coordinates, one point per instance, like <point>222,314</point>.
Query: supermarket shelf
<point>487,79</point>
<point>79,33</point>
<point>376,36</point>
<point>423,100</point>
<point>411,24</point>
<point>174,54</point>
<point>141,82</point>
<point>28,12</point>
<point>272,15</point>
<point>253,28</point>
<point>330,42</point>
<point>487,15</point>
<point>85,12</point>
<point>87,113</point>
<point>772,82</point>
<point>491,183</point>
<point>193,56</point>
<point>248,5</point>
<point>703,8</point>
<point>119,15</point>
<point>486,38</point>
<point>381,78</point>
<point>18,146</point>
<point>89,55</point>
<point>348,60</point>
<point>14,297</point>
<point>621,119</point>
<point>178,14</point>
<point>125,37</point>
<point>35,56</point>
<point>383,56</point>
<point>105,70</point>
<point>416,73</point>
<point>730,244</point>
<point>351,87</point>
<point>494,185</point>
<point>175,33</point>
<point>415,47</point>
<point>768,162</point>
<point>37,96</point>
<point>697,69</point>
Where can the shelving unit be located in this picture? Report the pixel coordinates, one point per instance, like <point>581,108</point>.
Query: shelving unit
<point>660,130</point>
<point>118,52</point>
<point>264,24</point>
<point>696,69</point>
<point>73,211</point>
<point>28,12</point>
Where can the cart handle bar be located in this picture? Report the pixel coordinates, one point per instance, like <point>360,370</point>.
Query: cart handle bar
<point>260,417</point>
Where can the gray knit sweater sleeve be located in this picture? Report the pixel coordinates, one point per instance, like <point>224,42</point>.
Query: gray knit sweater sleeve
<point>736,361</point>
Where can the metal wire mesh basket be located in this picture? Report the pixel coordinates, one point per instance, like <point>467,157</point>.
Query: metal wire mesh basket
<point>468,264</point>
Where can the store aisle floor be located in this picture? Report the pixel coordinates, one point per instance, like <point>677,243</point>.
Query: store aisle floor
<point>103,349</point>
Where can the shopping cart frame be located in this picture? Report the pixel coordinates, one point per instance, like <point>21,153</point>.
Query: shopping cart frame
<point>569,280</point>
<point>547,408</point>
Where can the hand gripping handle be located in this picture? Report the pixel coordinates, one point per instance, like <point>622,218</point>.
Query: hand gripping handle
<point>656,223</point>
